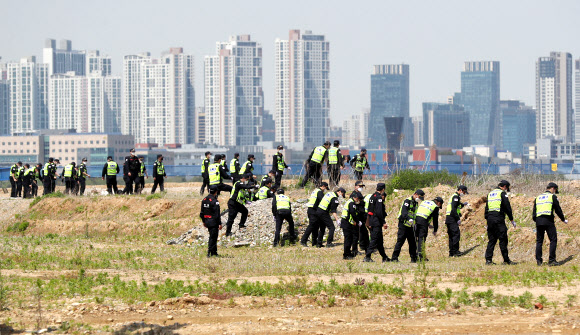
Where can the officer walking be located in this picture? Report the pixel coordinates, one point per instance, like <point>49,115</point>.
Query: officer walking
<point>217,173</point>
<point>27,176</point>
<point>204,165</point>
<point>159,174</point>
<point>265,192</point>
<point>237,203</point>
<point>363,207</point>
<point>68,172</point>
<point>496,208</point>
<point>282,210</point>
<point>315,161</point>
<point>327,206</point>
<point>312,212</point>
<point>278,165</point>
<point>140,183</point>
<point>82,174</point>
<point>14,177</point>
<point>110,170</point>
<point>453,220</point>
<point>235,168</point>
<point>359,163</point>
<point>406,231</point>
<point>132,171</point>
<point>428,212</point>
<point>210,216</point>
<point>545,205</point>
<point>48,176</point>
<point>335,164</point>
<point>54,167</point>
<point>350,218</point>
<point>376,223</point>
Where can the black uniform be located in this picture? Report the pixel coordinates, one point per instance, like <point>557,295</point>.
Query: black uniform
<point>111,180</point>
<point>333,170</point>
<point>326,222</point>
<point>406,233</point>
<point>235,174</point>
<point>131,173</point>
<point>278,165</point>
<point>14,174</point>
<point>235,207</point>
<point>48,177</point>
<point>224,175</point>
<point>361,236</point>
<point>350,230</point>
<point>19,183</point>
<point>158,176</point>
<point>314,170</point>
<point>280,215</point>
<point>545,224</point>
<point>313,220</point>
<point>82,182</point>
<point>34,184</point>
<point>27,177</point>
<point>451,221</point>
<point>204,175</point>
<point>376,218</point>
<point>422,229</point>
<point>140,183</point>
<point>359,174</point>
<point>53,182</point>
<point>210,216</point>
<point>497,229</point>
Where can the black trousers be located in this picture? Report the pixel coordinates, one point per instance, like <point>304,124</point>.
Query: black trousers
<point>26,191</point>
<point>158,181</point>
<point>205,183</point>
<point>213,230</point>
<point>112,184</point>
<point>358,175</point>
<point>234,208</point>
<point>363,237</point>
<point>454,235</point>
<point>224,187</point>
<point>313,172</point>
<point>405,233</point>
<point>552,236</point>
<point>496,230</point>
<point>280,217</point>
<point>376,242</point>
<point>349,231</point>
<point>421,231</point>
<point>12,187</point>
<point>333,175</point>
<point>19,187</point>
<point>312,228</point>
<point>325,222</point>
<point>75,187</point>
<point>47,185</point>
<point>34,189</point>
<point>235,177</point>
<point>68,181</point>
<point>278,179</point>
<point>82,185</point>
<point>53,184</point>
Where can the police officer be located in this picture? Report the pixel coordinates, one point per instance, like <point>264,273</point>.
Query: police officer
<point>312,212</point>
<point>496,208</point>
<point>362,236</point>
<point>35,178</point>
<point>453,220</point>
<point>376,223</point>
<point>82,174</point>
<point>140,183</point>
<point>328,205</point>
<point>14,177</point>
<point>406,231</point>
<point>271,175</point>
<point>159,174</point>
<point>210,216</point>
<point>282,210</point>
<point>248,167</point>
<point>315,161</point>
<point>265,192</point>
<point>349,219</point>
<point>237,203</point>
<point>68,172</point>
<point>545,205</point>
<point>55,173</point>
<point>110,170</point>
<point>278,165</point>
<point>27,176</point>
<point>224,162</point>
<point>359,163</point>
<point>204,165</point>
<point>48,175</point>
<point>217,173</point>
<point>335,164</point>
<point>235,168</point>
<point>427,212</point>
<point>19,183</point>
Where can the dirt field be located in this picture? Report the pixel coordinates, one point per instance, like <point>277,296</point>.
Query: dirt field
<point>99,265</point>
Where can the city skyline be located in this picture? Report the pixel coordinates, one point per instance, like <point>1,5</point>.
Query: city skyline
<point>435,48</point>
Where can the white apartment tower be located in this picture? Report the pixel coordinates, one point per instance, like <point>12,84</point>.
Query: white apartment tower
<point>63,59</point>
<point>355,130</point>
<point>555,114</point>
<point>234,100</point>
<point>4,107</point>
<point>302,88</point>
<point>98,63</point>
<point>28,95</point>
<point>131,112</point>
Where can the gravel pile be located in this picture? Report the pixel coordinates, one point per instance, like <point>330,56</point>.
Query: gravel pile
<point>260,227</point>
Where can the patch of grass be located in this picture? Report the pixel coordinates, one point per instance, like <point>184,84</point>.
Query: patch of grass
<point>57,194</point>
<point>18,227</point>
<point>525,300</point>
<point>153,196</point>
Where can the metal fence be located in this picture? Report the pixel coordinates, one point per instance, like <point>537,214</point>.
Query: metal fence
<point>377,170</point>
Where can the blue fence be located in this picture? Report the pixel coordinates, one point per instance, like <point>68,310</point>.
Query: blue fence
<point>376,169</point>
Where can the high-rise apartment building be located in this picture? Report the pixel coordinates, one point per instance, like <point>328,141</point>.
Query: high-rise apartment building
<point>445,125</point>
<point>67,103</point>
<point>518,126</point>
<point>389,98</point>
<point>159,98</point>
<point>480,94</point>
<point>98,63</point>
<point>4,107</point>
<point>302,88</point>
<point>63,59</point>
<point>234,100</point>
<point>355,130</point>
<point>555,115</point>
<point>200,125</point>
<point>418,130</point>
<point>577,104</point>
<point>28,95</point>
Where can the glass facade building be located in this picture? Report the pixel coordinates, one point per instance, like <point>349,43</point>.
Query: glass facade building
<point>445,125</point>
<point>518,126</point>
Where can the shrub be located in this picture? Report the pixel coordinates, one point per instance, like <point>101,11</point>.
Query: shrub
<point>18,227</point>
<point>414,179</point>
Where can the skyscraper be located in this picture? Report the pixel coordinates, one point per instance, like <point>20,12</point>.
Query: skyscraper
<point>131,111</point>
<point>28,87</point>
<point>389,98</point>
<point>445,125</point>
<point>480,93</point>
<point>577,105</point>
<point>200,125</point>
<point>234,100</point>
<point>4,107</point>
<point>98,63</point>
<point>555,114</point>
<point>302,88</point>
<point>518,125</point>
<point>63,59</point>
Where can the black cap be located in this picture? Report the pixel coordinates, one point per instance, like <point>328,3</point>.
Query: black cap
<point>504,183</point>
<point>109,157</point>
<point>363,150</point>
<point>356,194</point>
<point>73,164</point>
<point>19,162</point>
<point>251,156</point>
<point>272,172</point>
<point>325,184</point>
<point>336,142</point>
<point>420,193</point>
<point>247,176</point>
<point>217,158</point>
<point>207,153</point>
<point>280,147</point>
<point>359,183</point>
<point>553,185</point>
<point>380,186</point>
<point>50,159</point>
<point>440,200</point>
<point>280,191</point>
<point>57,160</point>
<point>132,150</point>
<point>84,159</point>
<point>160,156</point>
<point>462,188</point>
<point>267,181</point>
<point>237,154</point>
<point>213,188</point>
<point>327,143</point>
<point>27,164</point>
<point>340,189</point>
<point>223,155</point>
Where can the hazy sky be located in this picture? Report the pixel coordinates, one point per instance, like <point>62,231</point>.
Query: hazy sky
<point>433,37</point>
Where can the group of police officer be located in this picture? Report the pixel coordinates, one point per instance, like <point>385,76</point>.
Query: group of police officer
<point>134,174</point>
